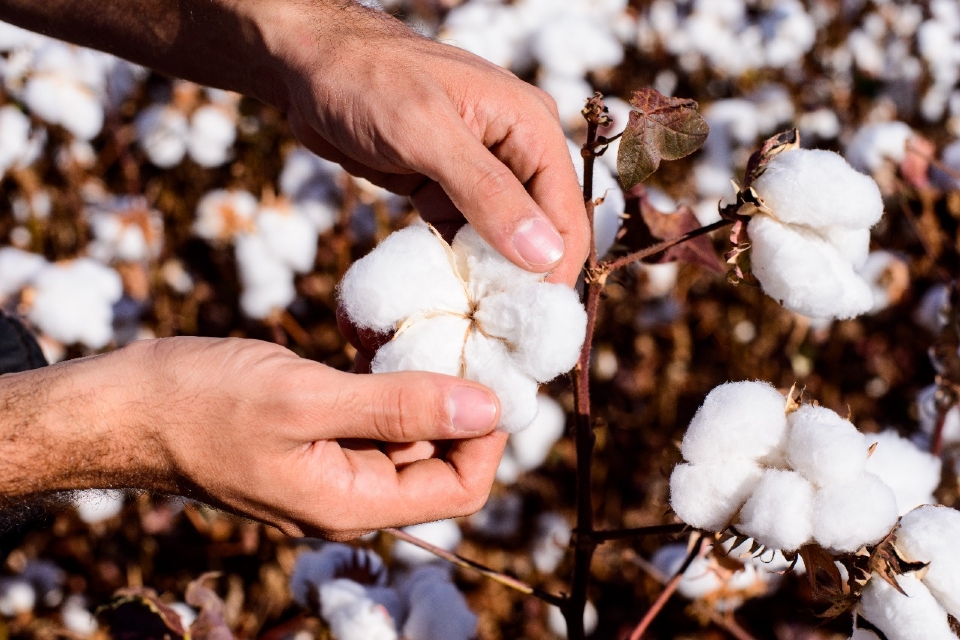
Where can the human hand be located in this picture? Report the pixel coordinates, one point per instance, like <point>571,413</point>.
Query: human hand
<point>464,138</point>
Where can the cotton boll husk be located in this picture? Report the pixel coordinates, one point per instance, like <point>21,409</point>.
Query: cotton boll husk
<point>434,344</point>
<point>904,617</point>
<point>438,611</point>
<point>927,413</point>
<point>551,542</point>
<point>16,596</point>
<point>162,131</point>
<point>484,269</point>
<point>18,268</point>
<point>737,421</point>
<point>76,617</point>
<point>213,131</point>
<point>818,188</point>
<point>804,272</point>
<point>267,282</point>
<point>290,237</point>
<point>388,285</point>
<point>531,446</point>
<point>913,474</point>
<point>97,505</point>
<point>442,533</point>
<point>314,568</point>
<point>779,513</point>
<point>823,447</point>
<point>708,496</point>
<point>608,215</point>
<point>558,624</point>
<point>491,364</point>
<point>853,513</point>
<point>222,213</point>
<point>543,325</point>
<point>877,143</point>
<point>929,534</point>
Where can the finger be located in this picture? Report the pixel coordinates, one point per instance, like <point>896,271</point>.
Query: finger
<point>412,406</point>
<point>404,453</point>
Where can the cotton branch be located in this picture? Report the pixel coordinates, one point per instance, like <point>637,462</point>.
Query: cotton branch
<point>638,532</point>
<point>606,267</point>
<point>668,590</point>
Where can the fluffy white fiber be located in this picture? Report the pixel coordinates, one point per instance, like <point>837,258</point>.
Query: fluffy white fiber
<point>162,132</point>
<point>352,615</point>
<point>17,596</point>
<point>927,414</point>
<point>912,474</point>
<point>314,568</point>
<point>17,268</point>
<point>779,514</point>
<point>442,533</point>
<point>551,542</point>
<point>877,143</point>
<point>558,624</point>
<point>930,534</point>
<point>854,513</point>
<point>213,130</point>
<point>221,214</point>
<point>465,310</point>
<point>528,449</point>
<point>737,421</point>
<point>708,496</point>
<point>823,447</point>
<point>76,617</point>
<point>97,505</point>
<point>267,281</point>
<point>904,617</point>
<point>814,233</point>
<point>607,216</point>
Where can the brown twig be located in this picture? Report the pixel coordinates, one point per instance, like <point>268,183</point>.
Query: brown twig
<point>936,445</point>
<point>668,590</point>
<point>653,250</point>
<point>638,532</point>
<point>466,563</point>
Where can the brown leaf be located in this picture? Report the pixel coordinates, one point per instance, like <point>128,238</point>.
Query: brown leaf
<point>138,614</point>
<point>660,128</point>
<point>211,622</point>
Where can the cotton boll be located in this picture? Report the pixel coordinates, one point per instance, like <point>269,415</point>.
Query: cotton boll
<point>76,617</point>
<point>822,123</point>
<point>570,93</point>
<point>853,513</point>
<point>531,446</point>
<point>558,624</point>
<point>490,363</point>
<point>484,269</point>
<point>877,143</point>
<point>222,213</point>
<point>442,533</point>
<point>804,272</point>
<point>359,618</point>
<point>737,421</point>
<point>17,269</point>
<point>571,45</point>
<point>387,285</point>
<point>823,447</point>
<point>289,236</point>
<point>542,350</point>
<point>852,244</point>
<point>818,188</point>
<point>708,496</point>
<point>928,414</point>
<point>436,345</point>
<point>125,229</point>
<point>314,568</point>
<point>14,137</point>
<point>438,611</point>
<point>929,534</point>
<point>267,282</point>
<point>97,505</point>
<point>162,132</point>
<point>551,541</point>
<point>17,596</point>
<point>779,513</point>
<point>904,617</point>
<point>13,38</point>
<point>913,474</point>
<point>308,176</point>
<point>72,302</point>
<point>608,215</point>
<point>213,131</point>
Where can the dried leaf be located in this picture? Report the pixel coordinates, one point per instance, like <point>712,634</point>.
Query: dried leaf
<point>138,614</point>
<point>211,622</point>
<point>660,128</point>
<point>886,562</point>
<point>816,559</point>
<point>771,147</point>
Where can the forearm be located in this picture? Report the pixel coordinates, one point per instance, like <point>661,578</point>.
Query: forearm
<point>75,425</point>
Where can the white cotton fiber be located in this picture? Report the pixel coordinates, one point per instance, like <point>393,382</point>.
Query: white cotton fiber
<point>904,617</point>
<point>531,446</point>
<point>928,416</point>
<point>14,136</point>
<point>805,272</point>
<point>267,282</point>
<point>490,364</point>
<point>698,580</point>
<point>779,513</point>
<point>289,236</point>
<point>306,176</point>
<point>163,132</point>
<point>823,447</point>
<point>73,302</point>
<point>436,345</point>
<point>390,283</point>
<point>541,350</point>
<point>913,474</point>
<point>484,269</point>
<point>97,505</point>
<point>442,533</point>
<point>314,568</point>
<point>213,130</point>
<point>608,215</point>
<point>17,596</point>
<point>877,143</point>
<point>737,421</point>
<point>932,534</point>
<point>551,541</point>
<point>818,188</point>
<point>438,611</point>
<point>76,617</point>
<point>17,269</point>
<point>221,214</point>
<point>357,617</point>
<point>853,513</point>
<point>708,496</point>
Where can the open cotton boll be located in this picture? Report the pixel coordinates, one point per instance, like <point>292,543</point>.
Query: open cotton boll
<point>531,446</point>
<point>570,93</point>
<point>877,143</point>
<point>699,580</point>
<point>483,268</point>
<point>823,447</point>
<point>267,282</point>
<point>314,568</point>
<point>558,624</point>
<point>913,474</point>
<point>213,130</point>
<point>162,132</point>
<point>125,229</point>
<point>442,533</point>
<point>804,272</point>
<point>928,415</point>
<point>73,302</point>
<point>355,616</point>
<point>551,541</point>
<point>708,496</point>
<point>386,286</point>
<point>76,617</point>
<point>489,363</point>
<point>779,513</point>
<point>929,534</point>
<point>438,611</point>
<point>818,188</point>
<point>17,596</point>
<point>96,505</point>
<point>853,513</point>
<point>608,215</point>
<point>17,269</point>
<point>436,346</point>
<point>904,617</point>
<point>14,137</point>
<point>572,45</point>
<point>289,236</point>
<point>737,421</point>
<point>306,175</point>
<point>222,213</point>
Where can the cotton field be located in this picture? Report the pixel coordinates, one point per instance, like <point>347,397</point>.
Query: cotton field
<point>775,405</point>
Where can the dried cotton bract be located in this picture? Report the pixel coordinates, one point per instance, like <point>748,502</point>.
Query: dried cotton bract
<point>467,311</point>
<point>812,233</point>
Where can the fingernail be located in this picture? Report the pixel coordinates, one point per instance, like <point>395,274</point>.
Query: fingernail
<point>471,410</point>
<point>537,242</point>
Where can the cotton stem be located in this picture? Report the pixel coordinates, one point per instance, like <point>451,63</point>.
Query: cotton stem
<point>668,590</point>
<point>653,250</point>
<point>465,563</point>
<point>638,532</point>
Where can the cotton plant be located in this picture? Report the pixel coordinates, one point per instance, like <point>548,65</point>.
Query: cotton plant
<point>125,229</point>
<point>465,310</point>
<point>20,143</point>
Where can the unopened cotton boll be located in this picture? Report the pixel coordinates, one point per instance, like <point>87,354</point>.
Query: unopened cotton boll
<point>904,617</point>
<point>823,447</point>
<point>442,533</point>
<point>929,534</point>
<point>708,496</point>
<point>551,542</point>
<point>913,474</point>
<point>737,421</point>
<point>779,513</point>
<point>438,611</point>
<point>853,513</point>
<point>97,505</point>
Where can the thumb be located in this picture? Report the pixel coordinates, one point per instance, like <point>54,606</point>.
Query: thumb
<point>411,406</point>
